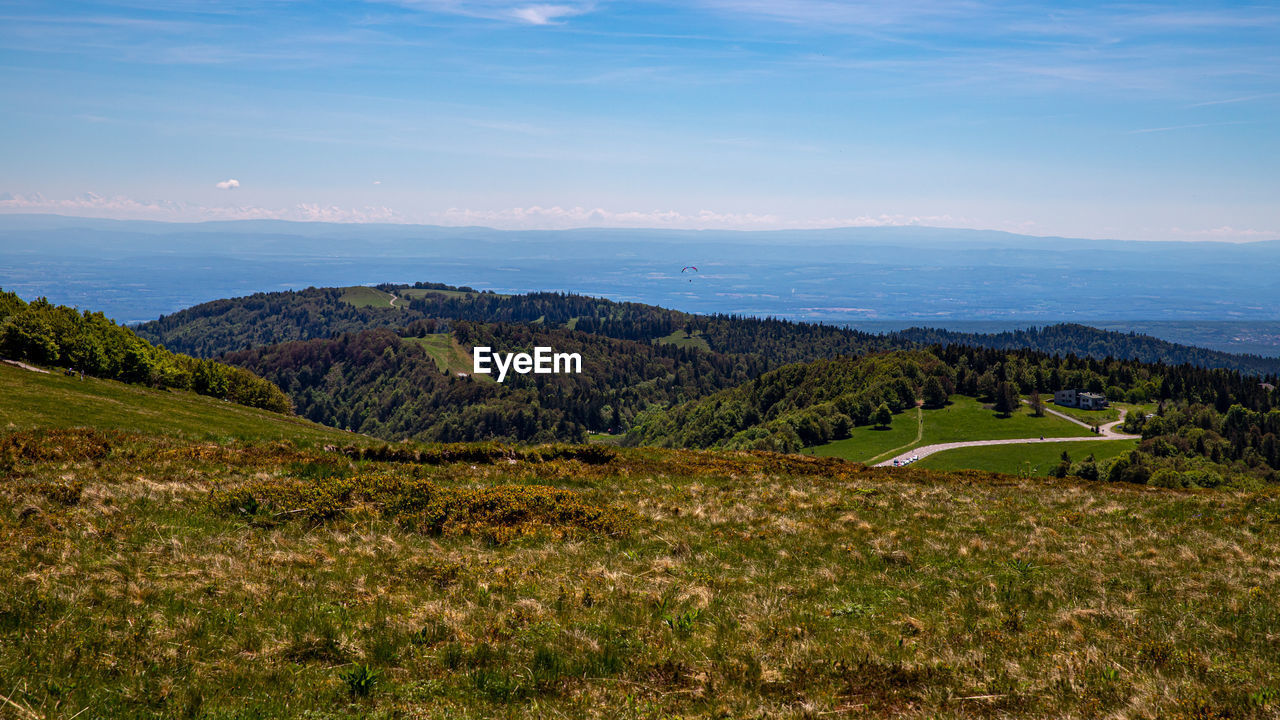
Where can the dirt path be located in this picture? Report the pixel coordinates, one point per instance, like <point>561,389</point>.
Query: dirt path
<point>1105,432</point>
<point>25,366</point>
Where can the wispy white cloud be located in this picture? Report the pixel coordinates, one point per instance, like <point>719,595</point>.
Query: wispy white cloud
<point>121,207</point>
<point>1227,233</point>
<point>511,127</point>
<point>1190,126</point>
<point>1234,100</point>
<point>520,12</point>
<point>1020,47</point>
<point>838,15</point>
<point>559,218</point>
<point>230,184</point>
<point>545,14</point>
<point>554,217</point>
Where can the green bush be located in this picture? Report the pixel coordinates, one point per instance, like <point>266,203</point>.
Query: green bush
<point>361,679</point>
<point>1166,478</point>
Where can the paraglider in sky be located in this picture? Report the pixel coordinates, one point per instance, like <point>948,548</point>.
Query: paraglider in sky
<point>686,268</point>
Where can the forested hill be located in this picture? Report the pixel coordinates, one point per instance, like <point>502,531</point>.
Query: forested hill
<point>222,326</point>
<point>797,405</point>
<point>1082,340</point>
<point>214,328</point>
<point>382,384</point>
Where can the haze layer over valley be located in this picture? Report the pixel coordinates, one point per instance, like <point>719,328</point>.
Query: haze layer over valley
<point>872,278</point>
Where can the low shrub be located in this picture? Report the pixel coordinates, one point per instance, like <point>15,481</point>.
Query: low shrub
<point>62,492</point>
<point>499,513</point>
<point>485,453</point>
<point>60,445</point>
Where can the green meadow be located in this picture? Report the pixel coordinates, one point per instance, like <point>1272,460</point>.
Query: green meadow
<point>680,338</point>
<point>963,419</point>
<point>413,293</point>
<point>447,353</point>
<point>1030,458</point>
<point>30,400</point>
<point>361,296</point>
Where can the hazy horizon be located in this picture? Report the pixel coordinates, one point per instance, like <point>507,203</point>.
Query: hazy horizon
<point>11,214</point>
<point>867,277</point>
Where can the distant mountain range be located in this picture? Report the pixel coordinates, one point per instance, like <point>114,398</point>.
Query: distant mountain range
<point>1212,294</point>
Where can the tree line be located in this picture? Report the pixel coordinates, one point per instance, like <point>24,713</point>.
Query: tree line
<point>46,334</point>
<point>1076,339</point>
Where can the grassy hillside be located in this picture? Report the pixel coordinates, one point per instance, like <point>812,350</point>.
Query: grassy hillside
<point>147,577</point>
<point>683,339</point>
<point>365,297</point>
<point>964,419</point>
<point>30,400</point>
<point>449,355</point>
<point>418,293</point>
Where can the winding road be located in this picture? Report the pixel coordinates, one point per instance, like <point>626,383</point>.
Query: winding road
<point>1105,432</point>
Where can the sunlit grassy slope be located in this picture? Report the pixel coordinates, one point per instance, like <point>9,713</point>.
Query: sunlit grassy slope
<point>423,292</point>
<point>447,353</point>
<point>680,338</point>
<point>1031,458</point>
<point>964,419</point>
<point>149,577</point>
<point>361,296</point>
<point>31,400</point>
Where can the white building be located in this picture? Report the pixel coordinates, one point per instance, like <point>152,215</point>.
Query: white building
<point>1080,399</point>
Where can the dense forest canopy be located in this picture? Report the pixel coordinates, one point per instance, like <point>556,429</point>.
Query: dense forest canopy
<point>380,383</point>
<point>1082,340</point>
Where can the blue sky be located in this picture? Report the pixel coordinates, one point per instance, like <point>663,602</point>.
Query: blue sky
<point>1143,121</point>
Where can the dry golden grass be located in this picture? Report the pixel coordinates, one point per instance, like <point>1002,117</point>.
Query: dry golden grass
<point>648,584</point>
